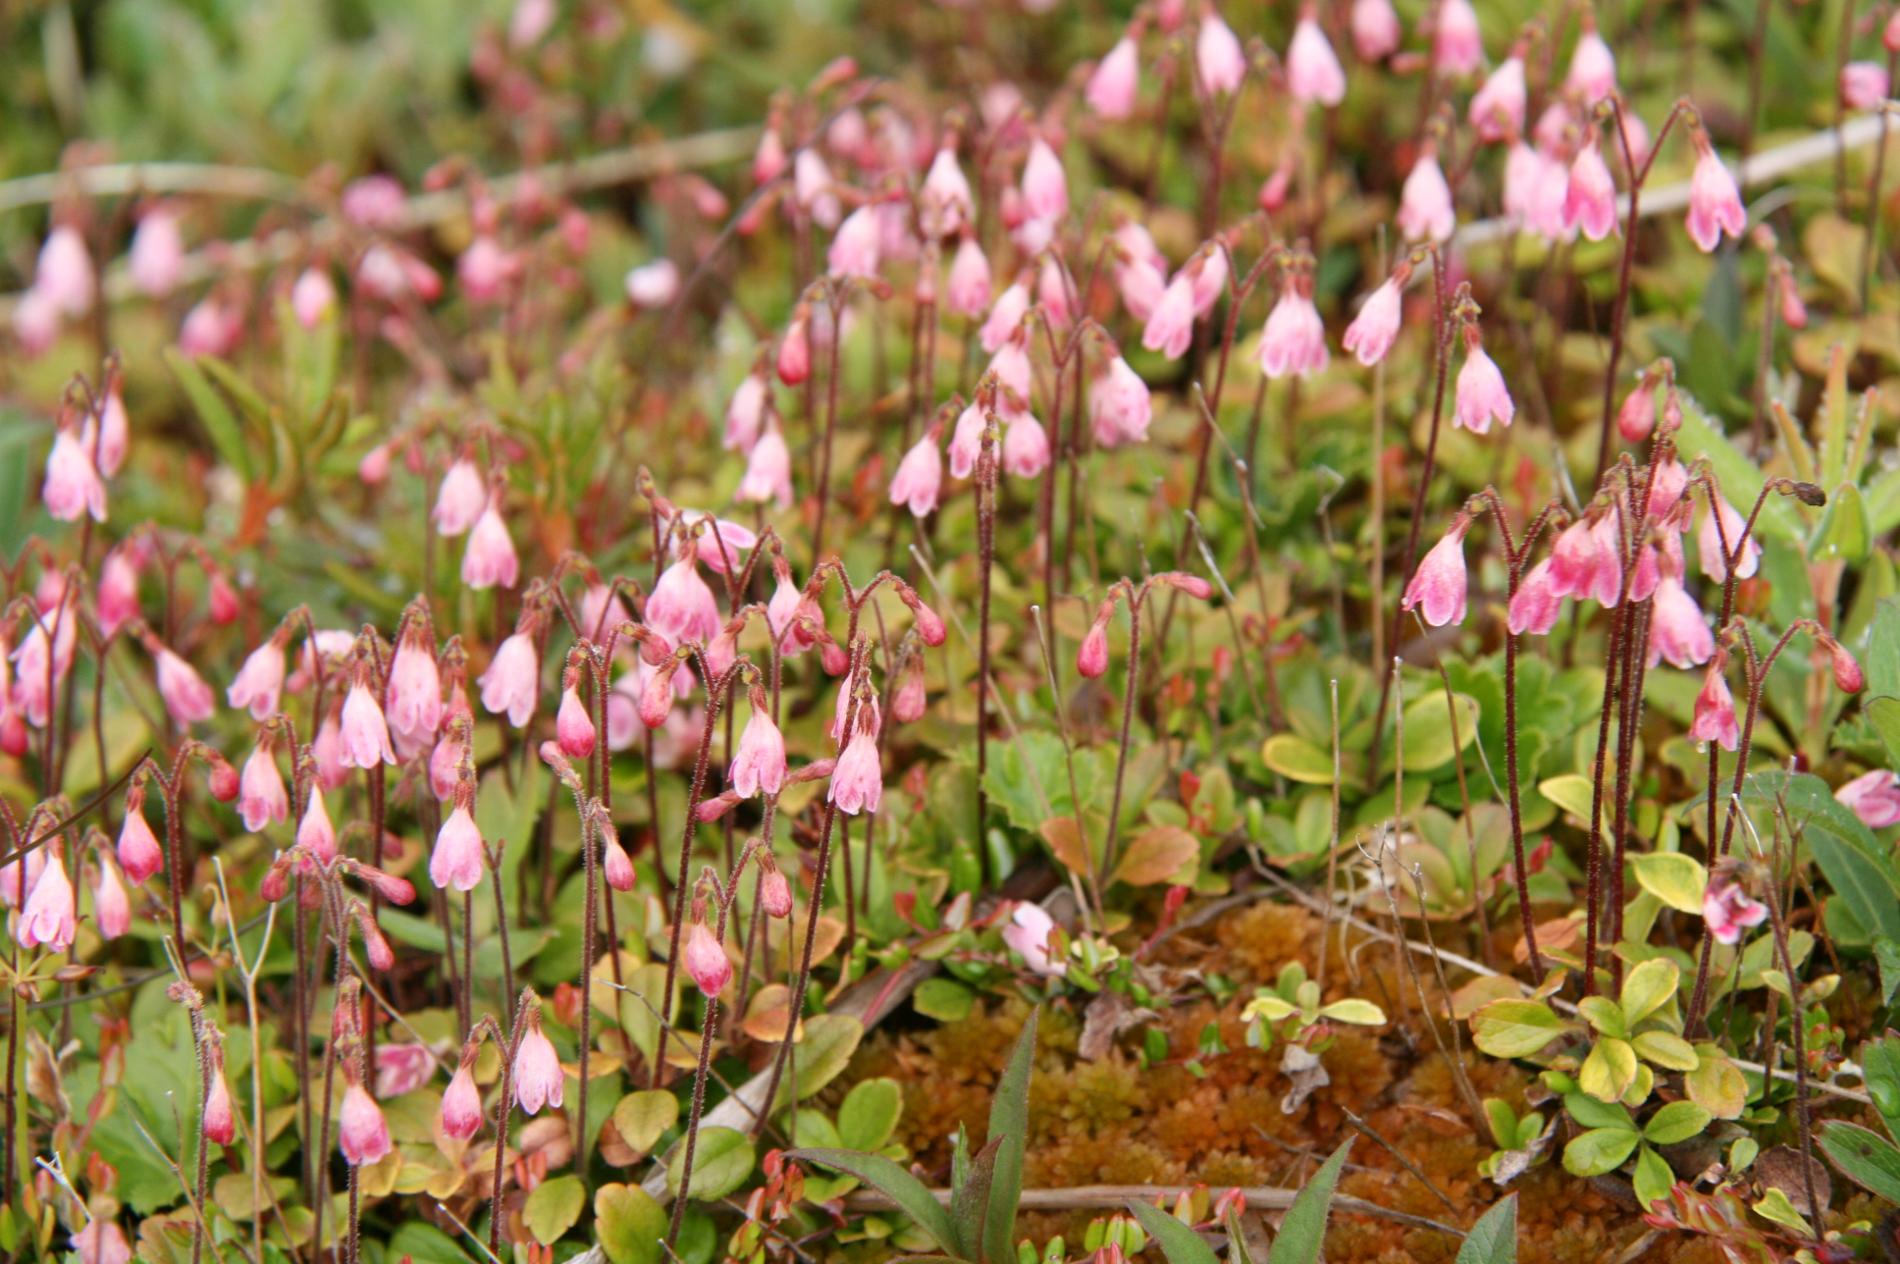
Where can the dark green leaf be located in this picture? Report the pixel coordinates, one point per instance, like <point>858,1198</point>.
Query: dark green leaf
<point>1493,1240</point>
<point>894,1183</point>
<point>1178,1242</point>
<point>1866,1157</point>
<point>1855,865</point>
<point>1009,1123</point>
<point>1305,1225</point>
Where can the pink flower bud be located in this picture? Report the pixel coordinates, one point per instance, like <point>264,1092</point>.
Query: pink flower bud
<point>1457,43</point>
<point>745,414</point>
<point>222,780</point>
<point>654,284</point>
<point>794,350</point>
<point>187,697</point>
<point>1045,186</point>
<point>313,297</point>
<point>573,726</point>
<point>1113,84</point>
<point>1375,29</point>
<point>461,1116</point>
<point>775,894</point>
<point>1425,209</point>
<point>1592,73</point>
<point>118,601</point>
<point>362,1134</point>
<point>967,291</point>
<point>1863,87</point>
<point>64,276</point>
<point>706,960</point>
<point>110,909</point>
<point>220,1124</point>
<point>315,833</point>
<point>1091,660</point>
<point>157,259</point>
<point>1006,316</point>
<point>1637,417</point>
<point>616,865</point>
<point>138,850</point>
<point>1848,677</point>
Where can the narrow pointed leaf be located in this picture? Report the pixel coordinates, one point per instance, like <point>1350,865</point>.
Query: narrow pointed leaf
<point>1493,1240</point>
<point>1305,1225</point>
<point>892,1181</point>
<point>1009,1124</point>
<point>1178,1242</point>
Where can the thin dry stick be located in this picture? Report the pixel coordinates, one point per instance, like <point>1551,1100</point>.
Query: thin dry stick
<point>1366,1130</point>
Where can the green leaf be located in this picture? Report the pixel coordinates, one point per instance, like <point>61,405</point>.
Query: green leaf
<point>1355,1011</point>
<point>1666,1050</point>
<point>1609,1070</point>
<point>1775,1205</point>
<point>969,1203</point>
<point>1493,1240</point>
<point>1675,879</point>
<point>1855,865</point>
<point>1305,1225</point>
<point>945,1000</point>
<point>220,423</point>
<point>641,1117</point>
<point>1598,1151</point>
<point>629,1224</point>
<point>1592,1113</point>
<point>1009,1123</point>
<point>892,1181</point>
<point>1297,759</point>
<point>1880,1069</point>
<point>1514,1028</point>
<point>1429,726</point>
<point>1179,1243</point>
<point>1864,1156</point>
<point>1653,1180</point>
<point>869,1114</point>
<point>1649,987</point>
<point>721,1162</point>
<point>1678,1121</point>
<point>830,1040</point>
<point>1604,1015</point>
<point>553,1207</point>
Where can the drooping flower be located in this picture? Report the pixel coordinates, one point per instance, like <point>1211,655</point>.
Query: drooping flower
<point>945,200</point>
<point>1863,87</point>
<point>415,686</point>
<point>768,471</point>
<point>1728,909</point>
<point>1457,43</point>
<point>101,1242</point>
<point>1025,446</point>
<point>260,681</point>
<point>512,680</point>
<point>1714,719</point>
<point>1590,196</point>
<point>1535,606</point>
<point>1376,328</point>
<point>364,732</point>
<point>73,487</point>
<point>490,557</point>
<point>966,442</point>
<point>653,284</point>
<point>539,1080</point>
<point>1497,109</point>
<point>456,861</point>
<point>967,292</point>
<point>1170,326</point>
<point>188,699</point>
<point>1313,72</point>
<point>313,297</point>
<point>759,765</point>
<point>1218,58</point>
<point>220,1122</point>
<point>1425,209</point>
<point>157,258</point>
<point>1294,340</point>
<point>775,893</point>
<point>1874,797</point>
<point>1715,205</point>
<point>64,275</point>
<point>315,832</point>
<point>1045,186</point>
<point>461,498</point>
<point>1375,29</point>
<point>682,607</point>
<point>745,414</point>
<point>1592,74</point>
<point>857,780</point>
<point>1120,406</point>
<point>1679,632</point>
<point>1481,395</point>
<point>48,918</point>
<point>854,251</point>
<point>1028,935</point>
<point>573,726</point>
<point>919,477</point>
<point>1714,545</point>
<point>1006,314</point>
<point>262,797</point>
<point>1117,77</point>
<point>1438,586</point>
